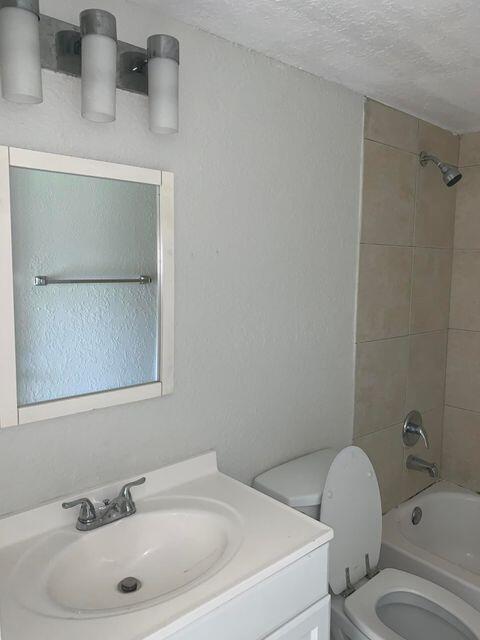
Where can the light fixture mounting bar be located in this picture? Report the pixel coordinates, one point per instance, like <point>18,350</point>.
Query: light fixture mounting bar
<point>60,48</point>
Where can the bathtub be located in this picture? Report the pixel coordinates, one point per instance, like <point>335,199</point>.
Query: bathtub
<point>444,546</point>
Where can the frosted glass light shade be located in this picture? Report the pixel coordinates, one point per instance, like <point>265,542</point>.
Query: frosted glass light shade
<point>99,65</point>
<point>163,95</point>
<point>163,67</point>
<point>21,70</point>
<point>99,78</point>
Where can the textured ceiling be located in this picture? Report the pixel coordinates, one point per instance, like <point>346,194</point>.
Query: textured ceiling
<point>421,56</point>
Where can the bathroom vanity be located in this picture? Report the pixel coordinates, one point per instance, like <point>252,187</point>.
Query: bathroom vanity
<point>206,557</point>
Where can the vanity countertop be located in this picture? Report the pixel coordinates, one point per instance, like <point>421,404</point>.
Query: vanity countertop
<point>257,538</point>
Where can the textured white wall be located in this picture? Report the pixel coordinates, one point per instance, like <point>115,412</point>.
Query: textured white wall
<point>267,171</point>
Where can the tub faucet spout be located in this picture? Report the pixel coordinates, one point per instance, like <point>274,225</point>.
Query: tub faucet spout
<point>418,464</point>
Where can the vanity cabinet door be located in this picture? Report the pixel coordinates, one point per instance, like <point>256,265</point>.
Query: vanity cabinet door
<point>312,624</point>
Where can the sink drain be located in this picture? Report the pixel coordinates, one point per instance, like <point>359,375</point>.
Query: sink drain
<point>129,585</point>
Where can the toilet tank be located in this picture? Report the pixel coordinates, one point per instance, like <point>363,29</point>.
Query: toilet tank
<point>300,482</point>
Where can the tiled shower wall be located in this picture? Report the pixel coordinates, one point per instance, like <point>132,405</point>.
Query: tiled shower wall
<point>403,294</point>
<point>461,446</point>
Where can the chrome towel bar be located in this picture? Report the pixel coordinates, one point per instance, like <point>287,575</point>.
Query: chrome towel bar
<point>43,281</point>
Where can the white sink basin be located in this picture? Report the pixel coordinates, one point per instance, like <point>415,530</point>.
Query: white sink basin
<point>198,541</point>
<point>169,546</point>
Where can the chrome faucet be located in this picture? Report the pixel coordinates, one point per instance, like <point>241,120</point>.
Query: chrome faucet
<point>91,517</point>
<point>419,464</point>
<point>413,430</point>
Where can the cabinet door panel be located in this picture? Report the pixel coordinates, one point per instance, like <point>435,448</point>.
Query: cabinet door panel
<point>312,624</point>
<point>268,606</point>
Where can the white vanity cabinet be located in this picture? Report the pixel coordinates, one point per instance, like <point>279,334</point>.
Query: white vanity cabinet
<point>292,604</point>
<point>267,578</point>
<point>312,624</point>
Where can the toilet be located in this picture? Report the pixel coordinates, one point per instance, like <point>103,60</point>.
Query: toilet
<point>341,489</point>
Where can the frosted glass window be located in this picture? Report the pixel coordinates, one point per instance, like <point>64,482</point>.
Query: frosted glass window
<point>75,339</point>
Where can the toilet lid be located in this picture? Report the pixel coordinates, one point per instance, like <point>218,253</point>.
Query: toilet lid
<point>351,506</point>
<point>299,482</point>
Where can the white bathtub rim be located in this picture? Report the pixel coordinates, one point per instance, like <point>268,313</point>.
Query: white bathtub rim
<point>395,544</point>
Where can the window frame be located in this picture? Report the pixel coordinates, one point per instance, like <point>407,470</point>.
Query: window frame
<point>10,413</point>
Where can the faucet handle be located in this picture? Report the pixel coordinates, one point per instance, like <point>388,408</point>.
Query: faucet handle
<point>413,430</point>
<point>423,434</point>
<point>87,512</point>
<point>125,490</point>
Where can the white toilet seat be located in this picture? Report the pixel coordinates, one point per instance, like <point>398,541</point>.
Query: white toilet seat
<point>394,605</point>
<point>360,607</point>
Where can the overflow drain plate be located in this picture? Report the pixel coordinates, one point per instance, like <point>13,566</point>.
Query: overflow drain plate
<point>417,514</point>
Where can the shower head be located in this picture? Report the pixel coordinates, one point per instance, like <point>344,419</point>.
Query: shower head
<point>450,174</point>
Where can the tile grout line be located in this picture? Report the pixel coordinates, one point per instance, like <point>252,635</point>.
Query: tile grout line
<point>411,246</point>
<point>412,266</point>
<point>412,286</point>
<point>450,289</point>
<point>397,423</point>
<point>409,335</point>
<point>391,146</point>
<point>453,406</point>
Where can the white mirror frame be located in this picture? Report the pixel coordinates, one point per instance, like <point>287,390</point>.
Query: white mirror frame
<point>10,413</point>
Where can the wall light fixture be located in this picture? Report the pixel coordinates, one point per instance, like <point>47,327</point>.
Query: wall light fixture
<point>20,63</point>
<point>163,55</point>
<point>30,41</point>
<point>99,65</point>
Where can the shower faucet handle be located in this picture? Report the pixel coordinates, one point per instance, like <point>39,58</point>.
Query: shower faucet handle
<point>413,430</point>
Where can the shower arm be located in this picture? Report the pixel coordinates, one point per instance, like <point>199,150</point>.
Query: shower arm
<point>425,158</point>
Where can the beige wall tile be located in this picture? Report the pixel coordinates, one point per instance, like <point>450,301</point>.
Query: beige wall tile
<point>383,292</point>
<point>438,141</point>
<point>469,149</point>
<point>388,206</point>
<point>399,295</point>
<point>435,210</point>
<point>381,384</point>
<point>432,271</point>
<point>463,370</point>
<point>465,304</point>
<point>392,127</point>
<point>426,371</point>
<point>415,481</point>
<point>385,450</point>
<point>461,447</point>
<point>467,218</point>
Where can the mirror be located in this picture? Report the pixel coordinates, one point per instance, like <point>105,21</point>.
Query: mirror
<point>92,283</point>
<point>83,337</point>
